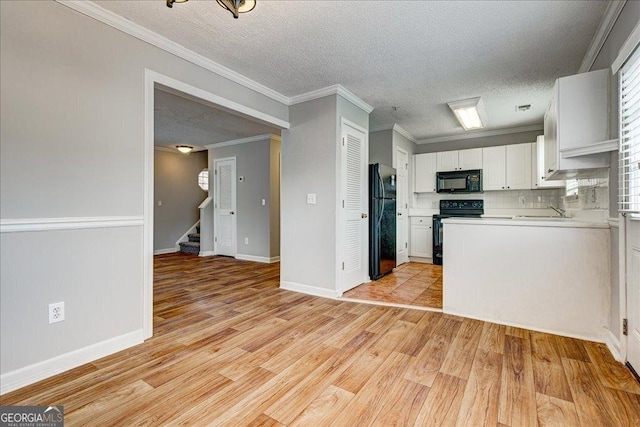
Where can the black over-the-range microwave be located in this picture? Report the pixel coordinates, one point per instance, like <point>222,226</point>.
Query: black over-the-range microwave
<point>469,181</point>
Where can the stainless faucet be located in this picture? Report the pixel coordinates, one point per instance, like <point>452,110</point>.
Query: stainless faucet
<point>560,211</point>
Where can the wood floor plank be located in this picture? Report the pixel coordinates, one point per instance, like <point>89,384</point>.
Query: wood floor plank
<point>442,406</point>
<point>517,390</point>
<point>321,411</point>
<point>403,405</point>
<point>492,338</point>
<point>611,373</point>
<point>480,401</point>
<point>571,348</point>
<point>588,394</point>
<point>553,412</point>
<point>463,349</point>
<point>366,405</point>
<point>548,372</point>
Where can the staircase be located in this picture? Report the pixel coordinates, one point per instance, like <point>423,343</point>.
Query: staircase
<point>193,245</point>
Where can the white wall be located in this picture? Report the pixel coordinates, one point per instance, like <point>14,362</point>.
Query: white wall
<point>176,186</point>
<point>72,145</point>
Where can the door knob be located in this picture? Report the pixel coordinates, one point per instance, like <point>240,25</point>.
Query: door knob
<point>364,215</point>
<point>232,213</point>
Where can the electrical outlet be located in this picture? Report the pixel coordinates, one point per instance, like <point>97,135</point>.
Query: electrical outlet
<point>246,240</point>
<point>56,312</point>
<point>311,198</point>
<point>522,200</point>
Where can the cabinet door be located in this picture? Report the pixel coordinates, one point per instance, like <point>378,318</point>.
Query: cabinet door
<point>534,164</point>
<point>424,173</point>
<point>494,168</point>
<point>551,152</point>
<point>447,161</point>
<point>538,161</point>
<point>519,167</point>
<point>470,159</point>
<point>421,241</point>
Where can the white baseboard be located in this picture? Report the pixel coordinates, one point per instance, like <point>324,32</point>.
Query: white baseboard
<point>613,344</point>
<point>39,371</point>
<point>255,258</point>
<point>595,337</point>
<point>421,260</point>
<point>166,251</point>
<point>309,290</point>
<point>206,253</point>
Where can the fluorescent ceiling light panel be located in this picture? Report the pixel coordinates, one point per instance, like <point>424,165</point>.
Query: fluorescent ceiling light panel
<point>469,112</point>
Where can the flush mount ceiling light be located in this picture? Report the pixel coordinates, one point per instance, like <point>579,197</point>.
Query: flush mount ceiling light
<point>469,112</point>
<point>233,6</point>
<point>184,149</point>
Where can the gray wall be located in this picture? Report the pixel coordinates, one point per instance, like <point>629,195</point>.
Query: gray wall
<point>253,162</point>
<point>176,186</point>
<point>623,27</point>
<point>308,238</point>
<point>381,147</point>
<point>485,141</point>
<point>71,145</point>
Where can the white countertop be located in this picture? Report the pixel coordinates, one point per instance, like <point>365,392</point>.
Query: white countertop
<point>527,222</point>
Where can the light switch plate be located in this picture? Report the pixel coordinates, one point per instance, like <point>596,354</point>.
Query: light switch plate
<point>311,198</point>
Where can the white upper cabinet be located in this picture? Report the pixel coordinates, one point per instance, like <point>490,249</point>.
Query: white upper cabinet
<point>578,117</point>
<point>507,167</point>
<point>470,159</point>
<point>447,161</point>
<point>519,166</point>
<point>494,171</point>
<point>459,160</point>
<point>425,166</point>
<point>537,167</point>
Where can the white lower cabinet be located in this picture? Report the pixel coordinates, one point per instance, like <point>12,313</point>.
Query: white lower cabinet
<point>421,237</point>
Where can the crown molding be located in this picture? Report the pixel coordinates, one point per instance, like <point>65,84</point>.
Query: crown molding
<point>481,134</point>
<point>328,91</point>
<point>600,37</point>
<point>395,127</point>
<point>247,140</point>
<point>105,16</point>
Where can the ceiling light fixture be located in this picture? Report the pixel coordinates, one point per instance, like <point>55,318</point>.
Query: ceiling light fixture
<point>234,6</point>
<point>469,112</point>
<point>184,149</point>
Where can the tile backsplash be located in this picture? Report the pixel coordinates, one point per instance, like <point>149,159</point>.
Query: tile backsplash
<point>590,193</point>
<point>509,199</point>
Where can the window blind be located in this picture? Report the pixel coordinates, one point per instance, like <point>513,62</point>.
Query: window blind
<point>629,155</point>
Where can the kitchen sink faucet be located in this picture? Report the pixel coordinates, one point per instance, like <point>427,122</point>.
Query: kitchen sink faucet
<point>560,211</point>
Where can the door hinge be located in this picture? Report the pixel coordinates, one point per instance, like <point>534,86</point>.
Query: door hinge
<point>406,245</point>
<point>625,327</point>
<point>215,239</point>
<point>343,142</point>
<point>406,206</point>
<point>343,265</point>
<point>215,172</point>
<point>343,204</point>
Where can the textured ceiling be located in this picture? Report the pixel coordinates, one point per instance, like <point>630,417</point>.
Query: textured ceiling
<point>182,121</point>
<point>414,55</point>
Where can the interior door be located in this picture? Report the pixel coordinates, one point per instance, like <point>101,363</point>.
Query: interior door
<point>355,204</point>
<point>633,292</point>
<point>225,207</point>
<point>402,194</point>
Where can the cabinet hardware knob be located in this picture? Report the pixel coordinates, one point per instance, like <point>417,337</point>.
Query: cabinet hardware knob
<point>550,170</point>
<point>508,186</point>
<point>364,215</point>
<point>399,213</point>
<point>232,213</point>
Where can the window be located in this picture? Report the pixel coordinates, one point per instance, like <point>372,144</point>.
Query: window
<point>203,179</point>
<point>629,155</point>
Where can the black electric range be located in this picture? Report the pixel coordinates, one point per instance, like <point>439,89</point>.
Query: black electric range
<point>448,209</point>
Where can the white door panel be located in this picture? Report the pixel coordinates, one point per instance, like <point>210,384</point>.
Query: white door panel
<point>225,207</point>
<point>355,207</point>
<point>402,194</point>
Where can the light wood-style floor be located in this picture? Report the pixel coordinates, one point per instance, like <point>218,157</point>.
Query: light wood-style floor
<point>413,284</point>
<point>231,348</point>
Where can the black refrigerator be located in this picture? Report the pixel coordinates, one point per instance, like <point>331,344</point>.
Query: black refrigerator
<point>382,220</point>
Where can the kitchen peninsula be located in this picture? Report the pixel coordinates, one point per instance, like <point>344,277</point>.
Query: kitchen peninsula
<point>546,274</point>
